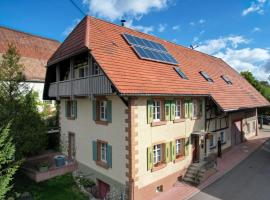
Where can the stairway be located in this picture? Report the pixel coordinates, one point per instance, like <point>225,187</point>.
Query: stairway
<point>195,174</point>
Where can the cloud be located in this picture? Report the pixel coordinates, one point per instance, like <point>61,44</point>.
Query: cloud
<point>176,27</point>
<point>215,45</point>
<point>116,9</point>
<point>162,27</point>
<point>202,21</point>
<point>68,29</point>
<point>145,29</point>
<point>192,23</point>
<point>256,29</point>
<point>255,7</point>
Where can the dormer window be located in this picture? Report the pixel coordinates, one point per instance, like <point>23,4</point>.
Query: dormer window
<point>206,76</point>
<point>226,79</point>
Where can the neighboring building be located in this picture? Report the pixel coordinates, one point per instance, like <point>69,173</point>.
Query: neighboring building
<point>137,111</point>
<point>34,51</point>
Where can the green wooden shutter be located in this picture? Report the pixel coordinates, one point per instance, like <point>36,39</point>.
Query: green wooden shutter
<point>172,110</point>
<point>167,110</point>
<point>167,152</point>
<point>149,111</point>
<point>186,146</point>
<point>94,149</point>
<point>66,108</point>
<point>186,110</point>
<point>94,109</point>
<point>190,109</point>
<point>74,107</point>
<point>109,155</point>
<point>109,111</point>
<point>173,155</point>
<point>149,158</point>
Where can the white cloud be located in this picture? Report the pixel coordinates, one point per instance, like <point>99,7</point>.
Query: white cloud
<point>176,27</point>
<point>145,29</point>
<point>195,39</point>
<point>115,9</point>
<point>68,30</point>
<point>255,7</point>
<point>162,27</point>
<point>192,23</point>
<point>215,45</point>
<point>202,21</point>
<point>256,29</point>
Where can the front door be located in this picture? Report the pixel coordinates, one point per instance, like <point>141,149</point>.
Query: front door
<point>103,189</point>
<point>195,149</point>
<point>71,145</point>
<point>237,135</point>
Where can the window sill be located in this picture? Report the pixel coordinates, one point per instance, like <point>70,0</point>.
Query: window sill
<point>179,158</point>
<point>158,123</point>
<point>71,118</point>
<point>158,166</point>
<point>100,122</point>
<point>178,120</point>
<point>102,164</point>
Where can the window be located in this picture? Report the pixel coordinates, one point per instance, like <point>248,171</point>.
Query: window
<point>179,147</point>
<point>96,69</point>
<point>222,137</point>
<point>194,108</point>
<point>177,109</point>
<point>157,150</point>
<point>103,150</point>
<point>71,109</point>
<point>212,141</point>
<point>226,79</point>
<point>156,110</point>
<point>180,73</point>
<point>81,72</point>
<point>206,76</point>
<point>103,110</point>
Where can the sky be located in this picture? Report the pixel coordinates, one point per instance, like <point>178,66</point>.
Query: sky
<point>235,30</point>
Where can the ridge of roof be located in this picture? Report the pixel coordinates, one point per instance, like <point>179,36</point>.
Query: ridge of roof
<point>30,34</point>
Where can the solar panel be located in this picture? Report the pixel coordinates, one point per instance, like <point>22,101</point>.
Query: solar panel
<point>206,76</point>
<point>147,49</point>
<point>180,73</point>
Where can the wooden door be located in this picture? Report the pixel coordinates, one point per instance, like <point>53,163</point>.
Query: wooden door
<point>195,149</point>
<point>103,189</point>
<point>236,133</point>
<point>71,145</point>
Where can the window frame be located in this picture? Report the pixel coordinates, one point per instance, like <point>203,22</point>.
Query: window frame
<point>178,109</point>
<point>206,76</point>
<point>214,142</point>
<point>223,137</point>
<point>103,110</point>
<point>70,109</point>
<point>226,79</point>
<point>103,152</point>
<point>157,159</point>
<point>96,69</point>
<point>157,114</point>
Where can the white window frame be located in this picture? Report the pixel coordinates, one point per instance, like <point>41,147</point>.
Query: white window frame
<point>194,108</point>
<point>157,153</point>
<point>103,110</point>
<point>96,69</point>
<point>84,72</point>
<point>103,152</point>
<point>223,139</point>
<point>178,147</point>
<point>156,110</point>
<point>214,141</point>
<point>71,109</point>
<point>178,105</point>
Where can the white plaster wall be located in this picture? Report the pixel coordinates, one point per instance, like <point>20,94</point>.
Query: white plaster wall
<point>148,135</point>
<point>86,130</point>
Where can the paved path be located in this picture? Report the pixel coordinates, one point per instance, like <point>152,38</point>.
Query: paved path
<point>230,159</point>
<point>247,181</point>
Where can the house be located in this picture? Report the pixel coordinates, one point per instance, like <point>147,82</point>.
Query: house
<point>136,111</point>
<point>34,51</point>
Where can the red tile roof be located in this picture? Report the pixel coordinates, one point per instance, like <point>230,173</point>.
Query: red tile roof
<point>134,76</point>
<point>34,50</point>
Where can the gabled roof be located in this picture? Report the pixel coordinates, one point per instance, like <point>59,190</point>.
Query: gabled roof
<point>34,51</point>
<point>134,76</point>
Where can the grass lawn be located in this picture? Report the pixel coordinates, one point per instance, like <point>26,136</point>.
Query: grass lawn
<point>58,188</point>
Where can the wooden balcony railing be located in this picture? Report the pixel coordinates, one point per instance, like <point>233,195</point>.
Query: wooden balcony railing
<point>95,84</point>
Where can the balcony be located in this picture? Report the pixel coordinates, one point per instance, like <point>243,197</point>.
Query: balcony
<point>86,86</point>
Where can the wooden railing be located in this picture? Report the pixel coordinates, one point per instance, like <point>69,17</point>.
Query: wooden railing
<point>95,84</point>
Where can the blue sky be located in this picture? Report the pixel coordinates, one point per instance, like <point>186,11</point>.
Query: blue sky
<point>236,30</point>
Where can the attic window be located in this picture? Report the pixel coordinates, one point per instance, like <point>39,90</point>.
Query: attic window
<point>206,76</point>
<point>226,79</point>
<point>180,73</point>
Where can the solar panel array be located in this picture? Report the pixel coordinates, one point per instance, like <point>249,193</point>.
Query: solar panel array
<point>147,49</point>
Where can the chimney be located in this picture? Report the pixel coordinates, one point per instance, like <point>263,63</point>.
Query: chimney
<point>123,22</point>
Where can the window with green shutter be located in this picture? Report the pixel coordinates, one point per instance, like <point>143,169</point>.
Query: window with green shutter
<point>109,111</point>
<point>102,110</point>
<point>173,110</point>
<point>94,150</point>
<point>71,109</point>
<point>187,146</point>
<point>109,155</point>
<point>167,110</point>
<point>167,152</point>
<point>150,111</point>
<point>173,154</point>
<point>149,158</point>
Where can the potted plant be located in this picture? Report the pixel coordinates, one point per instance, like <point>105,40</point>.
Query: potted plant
<point>43,166</point>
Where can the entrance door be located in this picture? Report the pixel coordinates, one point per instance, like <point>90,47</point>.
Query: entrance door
<point>195,149</point>
<point>103,189</point>
<point>71,145</point>
<point>237,135</point>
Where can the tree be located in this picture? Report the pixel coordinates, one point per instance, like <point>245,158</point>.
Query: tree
<point>19,104</point>
<point>8,166</point>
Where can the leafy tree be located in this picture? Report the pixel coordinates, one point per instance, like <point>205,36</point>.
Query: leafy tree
<point>8,166</point>
<point>20,104</point>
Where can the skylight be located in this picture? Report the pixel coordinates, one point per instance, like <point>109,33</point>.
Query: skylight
<point>226,79</point>
<point>149,50</point>
<point>180,73</point>
<point>206,76</point>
